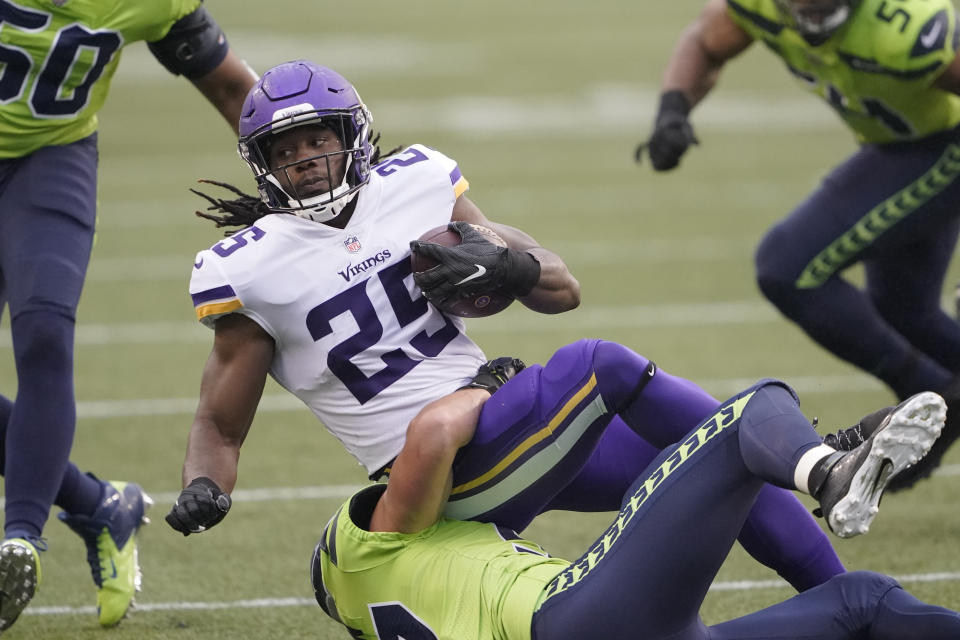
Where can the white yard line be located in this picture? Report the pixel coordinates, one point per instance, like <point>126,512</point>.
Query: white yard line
<point>259,603</point>
<point>280,402</point>
<point>595,318</point>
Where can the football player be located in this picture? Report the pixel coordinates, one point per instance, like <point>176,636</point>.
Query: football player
<point>316,290</point>
<point>891,71</point>
<point>383,573</point>
<point>58,59</point>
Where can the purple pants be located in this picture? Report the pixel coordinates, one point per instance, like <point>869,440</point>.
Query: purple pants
<point>574,434</point>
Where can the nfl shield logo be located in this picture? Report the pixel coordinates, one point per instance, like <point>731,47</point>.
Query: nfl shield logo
<point>352,244</point>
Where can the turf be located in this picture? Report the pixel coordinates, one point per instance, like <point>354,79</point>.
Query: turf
<point>542,105</point>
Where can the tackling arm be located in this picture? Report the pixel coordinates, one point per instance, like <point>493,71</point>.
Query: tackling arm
<point>421,477</point>
<point>949,80</point>
<point>556,290</point>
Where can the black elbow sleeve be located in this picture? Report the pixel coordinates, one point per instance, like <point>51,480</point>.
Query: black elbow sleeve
<point>194,46</point>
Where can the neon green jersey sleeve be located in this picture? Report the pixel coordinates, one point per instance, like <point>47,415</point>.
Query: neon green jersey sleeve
<point>455,580</point>
<point>59,60</point>
<point>877,71</point>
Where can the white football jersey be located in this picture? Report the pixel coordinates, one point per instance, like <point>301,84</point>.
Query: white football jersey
<point>355,339</point>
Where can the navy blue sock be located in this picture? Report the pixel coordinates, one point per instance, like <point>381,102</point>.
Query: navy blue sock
<point>79,493</point>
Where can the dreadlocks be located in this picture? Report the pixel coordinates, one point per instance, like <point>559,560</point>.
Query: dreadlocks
<point>244,210</point>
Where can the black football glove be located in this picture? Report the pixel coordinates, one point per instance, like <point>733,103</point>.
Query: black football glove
<point>672,133</point>
<point>493,374</point>
<point>476,265</point>
<point>200,506</point>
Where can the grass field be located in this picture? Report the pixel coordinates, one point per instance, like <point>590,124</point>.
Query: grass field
<point>542,105</point>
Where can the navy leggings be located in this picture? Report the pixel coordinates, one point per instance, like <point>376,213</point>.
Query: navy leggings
<point>893,208</point>
<point>647,575</point>
<point>576,433</point>
<point>47,214</point>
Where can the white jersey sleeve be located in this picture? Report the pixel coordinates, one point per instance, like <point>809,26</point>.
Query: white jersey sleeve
<point>356,341</point>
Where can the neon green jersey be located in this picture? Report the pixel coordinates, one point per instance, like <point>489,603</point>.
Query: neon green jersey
<point>453,581</point>
<point>58,57</point>
<point>877,70</point>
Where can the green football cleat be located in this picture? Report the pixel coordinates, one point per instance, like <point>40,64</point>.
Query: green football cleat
<point>19,578</point>
<point>111,538</point>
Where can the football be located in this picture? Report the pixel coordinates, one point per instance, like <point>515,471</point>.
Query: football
<point>477,305</point>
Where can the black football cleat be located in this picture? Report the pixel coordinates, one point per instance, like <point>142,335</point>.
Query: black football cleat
<point>852,437</point>
<point>925,467</point>
<point>849,485</point>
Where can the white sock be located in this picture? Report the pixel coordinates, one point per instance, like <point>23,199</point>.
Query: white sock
<point>801,474</point>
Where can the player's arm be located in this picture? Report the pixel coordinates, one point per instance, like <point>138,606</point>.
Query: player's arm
<point>230,390</point>
<point>226,87</point>
<point>534,275</point>
<point>197,48</point>
<point>949,79</point>
<point>421,477</point>
<point>703,49</point>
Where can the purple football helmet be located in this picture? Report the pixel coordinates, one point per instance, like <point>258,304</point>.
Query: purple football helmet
<point>300,93</point>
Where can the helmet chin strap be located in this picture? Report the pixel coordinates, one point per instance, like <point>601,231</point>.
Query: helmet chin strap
<point>329,211</point>
<point>319,208</point>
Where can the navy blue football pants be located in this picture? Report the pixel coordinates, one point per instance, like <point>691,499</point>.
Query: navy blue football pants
<point>47,214</point>
<point>647,575</point>
<point>576,433</point>
<point>893,208</point>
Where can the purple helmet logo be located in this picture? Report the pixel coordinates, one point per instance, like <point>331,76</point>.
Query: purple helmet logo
<point>299,93</point>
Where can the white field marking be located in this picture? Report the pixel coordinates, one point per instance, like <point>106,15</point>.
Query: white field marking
<point>594,319</point>
<point>273,494</point>
<point>357,55</point>
<point>341,491</point>
<point>281,402</point>
<point>141,269</point>
<point>645,251</point>
<point>259,603</point>
<point>611,107</point>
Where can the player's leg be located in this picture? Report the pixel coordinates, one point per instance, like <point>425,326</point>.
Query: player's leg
<point>679,520</point>
<point>533,437</point>
<point>779,531</point>
<point>46,232</point>
<point>859,604</point>
<point>904,280</point>
<point>877,191</point>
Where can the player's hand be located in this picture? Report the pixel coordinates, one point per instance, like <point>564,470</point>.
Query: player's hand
<point>493,374</point>
<point>200,506</point>
<point>476,265</point>
<point>672,133</point>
